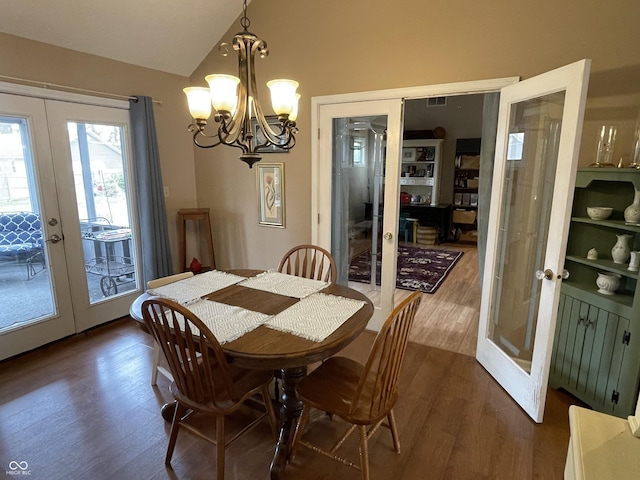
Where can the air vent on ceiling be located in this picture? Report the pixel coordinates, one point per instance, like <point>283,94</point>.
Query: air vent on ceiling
<point>437,102</point>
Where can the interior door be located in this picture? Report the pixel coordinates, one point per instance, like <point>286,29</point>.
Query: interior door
<point>537,145</point>
<point>357,192</point>
<point>36,303</point>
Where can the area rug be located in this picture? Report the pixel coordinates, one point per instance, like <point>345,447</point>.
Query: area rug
<point>418,268</point>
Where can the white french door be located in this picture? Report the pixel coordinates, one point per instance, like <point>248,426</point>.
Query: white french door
<point>537,143</point>
<point>357,183</point>
<point>66,165</point>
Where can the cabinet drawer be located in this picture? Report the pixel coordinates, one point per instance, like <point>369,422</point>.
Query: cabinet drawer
<point>589,350</point>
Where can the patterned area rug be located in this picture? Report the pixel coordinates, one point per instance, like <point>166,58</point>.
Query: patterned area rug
<point>418,268</point>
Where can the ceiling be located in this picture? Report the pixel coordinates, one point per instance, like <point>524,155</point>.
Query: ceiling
<point>171,35</point>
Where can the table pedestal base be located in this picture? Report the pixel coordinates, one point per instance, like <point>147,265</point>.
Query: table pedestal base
<point>289,412</point>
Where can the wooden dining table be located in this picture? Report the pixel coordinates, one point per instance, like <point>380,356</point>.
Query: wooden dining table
<point>265,348</point>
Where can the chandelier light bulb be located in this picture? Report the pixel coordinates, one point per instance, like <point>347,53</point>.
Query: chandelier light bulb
<point>283,95</point>
<point>199,101</point>
<point>224,92</point>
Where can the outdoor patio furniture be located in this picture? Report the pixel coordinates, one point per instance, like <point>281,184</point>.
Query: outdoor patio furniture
<point>21,240</point>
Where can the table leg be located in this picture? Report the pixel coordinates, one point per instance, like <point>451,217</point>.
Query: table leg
<point>289,413</point>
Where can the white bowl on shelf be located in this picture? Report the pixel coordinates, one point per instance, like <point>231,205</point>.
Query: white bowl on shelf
<point>599,213</point>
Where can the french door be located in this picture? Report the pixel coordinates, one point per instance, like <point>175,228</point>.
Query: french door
<point>358,177</point>
<point>537,145</point>
<point>65,167</point>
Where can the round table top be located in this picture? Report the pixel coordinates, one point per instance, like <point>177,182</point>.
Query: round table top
<point>266,348</point>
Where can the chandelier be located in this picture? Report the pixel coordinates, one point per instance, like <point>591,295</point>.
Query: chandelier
<point>241,122</point>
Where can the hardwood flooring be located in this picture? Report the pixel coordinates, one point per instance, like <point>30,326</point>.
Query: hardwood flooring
<point>83,408</point>
<point>447,319</point>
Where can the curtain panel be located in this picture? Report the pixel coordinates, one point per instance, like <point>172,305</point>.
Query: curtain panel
<point>152,215</point>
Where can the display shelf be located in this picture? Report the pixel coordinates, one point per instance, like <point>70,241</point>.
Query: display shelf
<point>596,354</point>
<point>420,169</point>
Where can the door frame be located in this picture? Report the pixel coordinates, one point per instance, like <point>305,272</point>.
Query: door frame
<point>321,213</point>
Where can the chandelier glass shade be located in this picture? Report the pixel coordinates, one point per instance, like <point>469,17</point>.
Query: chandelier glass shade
<point>239,116</point>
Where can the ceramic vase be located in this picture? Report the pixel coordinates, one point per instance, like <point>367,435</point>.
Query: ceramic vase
<point>632,212</point>
<point>607,283</point>
<point>621,251</point>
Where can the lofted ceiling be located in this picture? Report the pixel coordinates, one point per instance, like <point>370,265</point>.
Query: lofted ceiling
<point>170,35</point>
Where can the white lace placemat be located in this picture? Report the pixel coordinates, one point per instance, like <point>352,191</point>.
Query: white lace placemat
<point>316,316</point>
<point>283,284</point>
<point>226,322</point>
<point>193,288</point>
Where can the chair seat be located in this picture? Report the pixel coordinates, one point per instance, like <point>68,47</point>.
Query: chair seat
<point>332,386</point>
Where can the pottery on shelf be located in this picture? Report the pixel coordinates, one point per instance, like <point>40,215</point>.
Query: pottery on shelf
<point>599,213</point>
<point>632,212</point>
<point>592,254</point>
<point>621,251</point>
<point>607,283</point>
<point>634,263</point>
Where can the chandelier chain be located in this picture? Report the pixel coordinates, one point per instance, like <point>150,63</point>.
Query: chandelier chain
<point>244,21</point>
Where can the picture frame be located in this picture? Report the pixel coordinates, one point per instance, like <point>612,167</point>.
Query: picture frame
<point>259,137</point>
<point>270,187</point>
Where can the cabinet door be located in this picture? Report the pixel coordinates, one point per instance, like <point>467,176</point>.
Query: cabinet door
<point>589,351</point>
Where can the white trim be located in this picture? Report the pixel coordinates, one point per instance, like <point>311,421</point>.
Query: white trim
<point>50,94</point>
<point>439,90</point>
<point>444,89</point>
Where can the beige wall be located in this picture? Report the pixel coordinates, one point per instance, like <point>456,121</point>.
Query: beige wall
<point>37,61</point>
<point>333,47</point>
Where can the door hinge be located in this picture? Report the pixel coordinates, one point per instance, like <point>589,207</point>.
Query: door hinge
<point>615,396</point>
<point>318,134</point>
<point>318,218</point>
<point>626,337</point>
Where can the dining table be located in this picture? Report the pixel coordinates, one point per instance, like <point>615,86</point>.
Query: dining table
<point>267,348</point>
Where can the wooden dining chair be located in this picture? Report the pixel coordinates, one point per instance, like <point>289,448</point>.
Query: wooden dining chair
<point>362,395</point>
<point>155,367</point>
<point>309,261</point>
<point>203,381</point>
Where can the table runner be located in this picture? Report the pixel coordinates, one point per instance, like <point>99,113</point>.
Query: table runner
<point>316,316</point>
<point>283,284</point>
<point>226,322</point>
<point>193,288</point>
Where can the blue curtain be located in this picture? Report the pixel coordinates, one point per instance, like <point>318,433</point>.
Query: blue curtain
<point>152,215</point>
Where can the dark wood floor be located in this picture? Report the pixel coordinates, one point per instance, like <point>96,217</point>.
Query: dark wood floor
<point>83,408</point>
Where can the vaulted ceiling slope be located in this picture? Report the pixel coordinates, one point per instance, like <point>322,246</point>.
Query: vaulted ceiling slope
<point>171,36</point>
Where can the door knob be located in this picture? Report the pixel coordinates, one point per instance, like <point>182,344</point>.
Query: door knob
<point>547,274</point>
<point>53,222</point>
<point>565,274</point>
<point>54,238</point>
<point>388,236</point>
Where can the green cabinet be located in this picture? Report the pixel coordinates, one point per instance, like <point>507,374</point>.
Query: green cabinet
<point>596,352</point>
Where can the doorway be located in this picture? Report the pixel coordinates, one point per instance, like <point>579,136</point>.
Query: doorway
<point>68,240</point>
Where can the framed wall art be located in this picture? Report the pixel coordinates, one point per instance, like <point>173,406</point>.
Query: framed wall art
<point>260,138</point>
<point>270,182</point>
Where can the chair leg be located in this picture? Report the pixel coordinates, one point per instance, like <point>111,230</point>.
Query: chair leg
<point>220,447</point>
<point>154,363</point>
<point>394,431</point>
<point>364,452</point>
<point>173,436</point>
<point>297,435</point>
<point>271,414</point>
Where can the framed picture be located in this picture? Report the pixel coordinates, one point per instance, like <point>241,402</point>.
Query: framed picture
<point>259,137</point>
<point>270,178</point>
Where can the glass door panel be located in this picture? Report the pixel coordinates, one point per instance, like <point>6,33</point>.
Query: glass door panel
<point>358,196</point>
<point>91,152</point>
<point>101,197</point>
<point>23,263</point>
<point>36,302</point>
<point>537,143</point>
